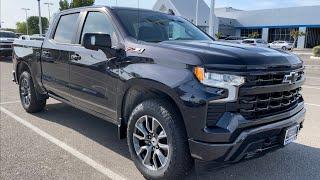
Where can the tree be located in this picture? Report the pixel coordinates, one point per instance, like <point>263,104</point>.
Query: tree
<point>295,34</point>
<point>254,35</point>
<point>218,35</point>
<point>81,3</point>
<point>21,27</point>
<point>64,4</point>
<point>33,24</point>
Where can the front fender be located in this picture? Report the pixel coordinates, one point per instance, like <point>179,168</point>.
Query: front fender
<point>190,96</point>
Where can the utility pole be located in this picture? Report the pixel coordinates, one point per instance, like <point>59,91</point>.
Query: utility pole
<point>40,24</point>
<point>49,4</point>
<point>197,12</point>
<point>212,19</point>
<point>26,11</point>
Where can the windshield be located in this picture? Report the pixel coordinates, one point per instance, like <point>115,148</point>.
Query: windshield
<point>150,26</point>
<point>7,35</point>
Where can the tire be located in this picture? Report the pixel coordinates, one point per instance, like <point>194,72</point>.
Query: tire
<point>28,97</point>
<point>174,147</point>
<point>284,48</point>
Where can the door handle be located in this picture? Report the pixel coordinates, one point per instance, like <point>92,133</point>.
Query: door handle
<point>75,57</point>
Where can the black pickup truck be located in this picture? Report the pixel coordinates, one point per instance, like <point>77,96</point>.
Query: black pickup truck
<point>174,93</point>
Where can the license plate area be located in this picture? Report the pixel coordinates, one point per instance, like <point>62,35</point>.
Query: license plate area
<point>291,134</point>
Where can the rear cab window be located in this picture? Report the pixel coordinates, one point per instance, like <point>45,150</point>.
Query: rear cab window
<point>66,28</point>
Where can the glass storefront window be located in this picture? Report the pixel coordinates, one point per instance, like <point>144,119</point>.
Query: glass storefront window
<point>280,34</point>
<point>249,32</point>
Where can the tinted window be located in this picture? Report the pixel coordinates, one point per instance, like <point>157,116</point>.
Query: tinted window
<point>67,28</point>
<point>97,22</point>
<point>261,41</point>
<point>152,26</point>
<point>248,42</point>
<point>7,35</point>
<point>231,38</point>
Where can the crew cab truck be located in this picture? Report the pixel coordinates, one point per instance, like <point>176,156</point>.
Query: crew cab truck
<point>174,93</point>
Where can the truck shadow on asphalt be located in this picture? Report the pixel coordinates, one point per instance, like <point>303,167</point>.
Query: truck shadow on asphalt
<point>293,162</point>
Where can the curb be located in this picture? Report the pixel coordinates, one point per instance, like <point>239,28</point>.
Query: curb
<point>314,57</point>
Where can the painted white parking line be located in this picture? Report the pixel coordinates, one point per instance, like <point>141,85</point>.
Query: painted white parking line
<point>297,53</point>
<point>314,65</point>
<point>9,102</point>
<point>311,87</point>
<point>310,104</point>
<point>109,173</point>
<point>311,77</point>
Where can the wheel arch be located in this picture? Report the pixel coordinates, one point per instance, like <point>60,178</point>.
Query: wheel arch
<point>139,90</point>
<point>24,66</point>
<point>21,67</point>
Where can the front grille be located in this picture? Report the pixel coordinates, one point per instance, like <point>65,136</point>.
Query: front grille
<point>263,105</point>
<point>269,79</point>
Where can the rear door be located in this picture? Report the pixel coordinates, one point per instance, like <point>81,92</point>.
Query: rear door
<point>56,54</point>
<point>93,74</point>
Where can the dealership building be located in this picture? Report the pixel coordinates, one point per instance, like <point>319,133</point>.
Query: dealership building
<point>271,24</point>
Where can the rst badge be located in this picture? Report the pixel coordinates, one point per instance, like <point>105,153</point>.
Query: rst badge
<point>291,78</point>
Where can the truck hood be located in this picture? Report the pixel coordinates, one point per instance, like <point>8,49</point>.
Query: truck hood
<point>226,55</point>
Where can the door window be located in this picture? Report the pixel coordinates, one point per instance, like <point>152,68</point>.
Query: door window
<point>66,28</point>
<point>97,22</point>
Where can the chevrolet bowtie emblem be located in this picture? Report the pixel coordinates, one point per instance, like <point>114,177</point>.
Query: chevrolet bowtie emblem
<point>291,78</point>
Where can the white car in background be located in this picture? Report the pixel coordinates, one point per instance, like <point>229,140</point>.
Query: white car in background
<point>32,37</point>
<point>284,45</point>
<point>235,39</point>
<point>256,42</point>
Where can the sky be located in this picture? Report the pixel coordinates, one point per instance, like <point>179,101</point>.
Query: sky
<point>11,12</point>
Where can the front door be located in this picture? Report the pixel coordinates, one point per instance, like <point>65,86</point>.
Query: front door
<point>93,76</point>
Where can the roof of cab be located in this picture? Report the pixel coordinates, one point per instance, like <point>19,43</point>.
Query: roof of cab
<point>108,7</point>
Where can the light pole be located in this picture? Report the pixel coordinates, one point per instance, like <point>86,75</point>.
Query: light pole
<point>49,4</point>
<point>26,10</point>
<point>212,19</point>
<point>197,12</point>
<point>40,24</point>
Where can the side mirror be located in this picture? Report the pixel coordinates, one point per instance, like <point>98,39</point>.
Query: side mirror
<point>96,41</point>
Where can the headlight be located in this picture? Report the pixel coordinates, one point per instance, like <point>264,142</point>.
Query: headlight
<point>225,81</point>
<point>213,79</point>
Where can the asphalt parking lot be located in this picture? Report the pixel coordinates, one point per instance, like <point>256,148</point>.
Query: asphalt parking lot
<point>65,143</point>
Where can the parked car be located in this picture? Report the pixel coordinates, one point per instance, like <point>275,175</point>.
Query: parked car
<point>284,45</point>
<point>175,96</point>
<point>256,42</point>
<point>235,39</point>
<point>6,40</point>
